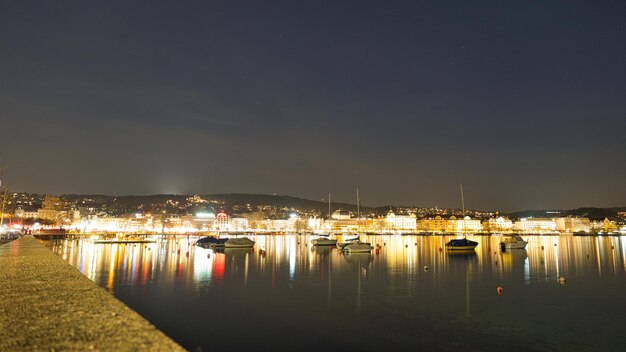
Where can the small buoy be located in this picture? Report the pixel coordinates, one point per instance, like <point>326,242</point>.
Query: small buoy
<point>377,250</point>
<point>496,262</point>
<point>499,290</point>
<point>208,255</point>
<point>425,267</point>
<point>541,247</point>
<point>587,256</point>
<point>416,243</point>
<point>440,249</point>
<point>406,246</point>
<point>555,244</point>
<point>612,247</point>
<point>562,280</point>
<point>384,243</point>
<point>179,251</point>
<point>187,254</point>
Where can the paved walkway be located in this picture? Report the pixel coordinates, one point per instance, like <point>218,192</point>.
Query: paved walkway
<point>47,305</point>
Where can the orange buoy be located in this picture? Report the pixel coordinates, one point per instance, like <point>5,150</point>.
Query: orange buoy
<point>377,250</point>
<point>440,249</point>
<point>499,290</point>
<point>187,254</point>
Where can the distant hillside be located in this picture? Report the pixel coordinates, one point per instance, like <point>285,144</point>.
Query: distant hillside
<point>588,212</point>
<point>280,201</point>
<point>228,202</point>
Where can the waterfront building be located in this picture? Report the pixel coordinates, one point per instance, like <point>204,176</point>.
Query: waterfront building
<point>436,224</point>
<point>535,225</point>
<point>499,224</point>
<point>25,214</point>
<point>466,225</point>
<point>238,224</point>
<point>221,222</point>
<point>395,222</point>
<point>573,224</point>
<point>341,215</point>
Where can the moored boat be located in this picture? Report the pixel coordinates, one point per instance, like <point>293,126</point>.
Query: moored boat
<point>358,247</point>
<point>512,242</point>
<point>242,242</point>
<point>323,241</point>
<point>211,241</point>
<point>461,244</point>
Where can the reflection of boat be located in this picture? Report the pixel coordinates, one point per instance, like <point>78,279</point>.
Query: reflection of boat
<point>462,254</point>
<point>512,242</point>
<point>243,242</point>
<point>363,259</point>
<point>210,241</point>
<point>358,247</point>
<point>322,241</point>
<point>461,244</point>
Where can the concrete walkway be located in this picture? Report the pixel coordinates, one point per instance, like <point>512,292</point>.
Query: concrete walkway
<point>47,305</point>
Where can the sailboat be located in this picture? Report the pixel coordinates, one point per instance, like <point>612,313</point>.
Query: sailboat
<point>461,244</point>
<point>355,245</point>
<point>323,239</point>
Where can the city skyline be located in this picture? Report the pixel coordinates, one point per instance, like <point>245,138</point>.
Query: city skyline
<point>521,103</point>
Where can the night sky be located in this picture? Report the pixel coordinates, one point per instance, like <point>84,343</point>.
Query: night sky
<point>524,103</point>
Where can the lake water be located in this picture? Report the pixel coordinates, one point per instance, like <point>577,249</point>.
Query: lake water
<point>410,295</point>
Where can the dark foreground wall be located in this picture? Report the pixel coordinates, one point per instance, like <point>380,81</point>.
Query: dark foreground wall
<point>45,304</point>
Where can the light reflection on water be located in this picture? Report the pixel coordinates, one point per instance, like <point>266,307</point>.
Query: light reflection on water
<point>410,293</point>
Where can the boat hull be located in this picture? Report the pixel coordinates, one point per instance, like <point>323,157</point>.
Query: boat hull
<point>461,248</point>
<point>239,243</point>
<point>323,242</point>
<point>358,248</point>
<point>514,245</point>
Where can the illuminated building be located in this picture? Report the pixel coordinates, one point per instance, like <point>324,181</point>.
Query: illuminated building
<point>499,224</point>
<point>436,224</point>
<point>466,224</point>
<point>238,224</point>
<point>23,214</point>
<point>535,225</point>
<point>221,222</point>
<point>573,224</point>
<point>400,222</point>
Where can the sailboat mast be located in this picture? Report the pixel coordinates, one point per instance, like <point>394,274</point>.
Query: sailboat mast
<point>462,200</point>
<point>358,204</point>
<point>463,205</point>
<point>328,205</point>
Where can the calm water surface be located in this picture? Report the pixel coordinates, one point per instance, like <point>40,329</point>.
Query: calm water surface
<point>408,295</point>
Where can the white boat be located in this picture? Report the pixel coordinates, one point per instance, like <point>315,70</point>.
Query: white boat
<point>243,242</point>
<point>322,241</point>
<point>512,242</point>
<point>347,241</point>
<point>358,247</point>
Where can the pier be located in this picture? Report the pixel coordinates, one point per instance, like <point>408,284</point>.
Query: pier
<point>45,304</point>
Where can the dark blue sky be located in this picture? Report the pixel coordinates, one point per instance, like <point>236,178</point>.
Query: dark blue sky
<point>522,102</point>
